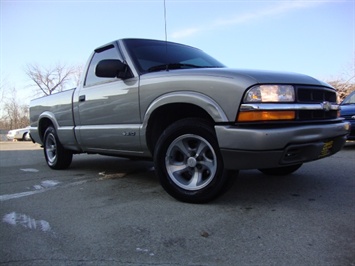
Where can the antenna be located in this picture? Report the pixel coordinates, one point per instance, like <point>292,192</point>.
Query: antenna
<point>166,39</point>
<point>166,33</point>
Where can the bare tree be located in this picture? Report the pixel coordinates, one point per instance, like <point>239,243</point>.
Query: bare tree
<point>343,88</point>
<point>345,82</point>
<point>16,114</point>
<point>76,74</point>
<point>4,85</point>
<point>49,80</point>
<point>13,113</point>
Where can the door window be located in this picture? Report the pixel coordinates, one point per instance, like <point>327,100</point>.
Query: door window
<point>108,52</point>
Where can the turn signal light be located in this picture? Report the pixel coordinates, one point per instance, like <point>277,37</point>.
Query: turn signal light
<point>252,116</point>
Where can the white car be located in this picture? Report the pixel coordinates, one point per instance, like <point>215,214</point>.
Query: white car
<point>19,134</point>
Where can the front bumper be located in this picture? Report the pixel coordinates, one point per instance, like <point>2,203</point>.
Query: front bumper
<point>252,148</point>
<point>9,137</point>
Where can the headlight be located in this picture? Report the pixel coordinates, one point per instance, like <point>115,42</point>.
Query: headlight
<point>270,93</point>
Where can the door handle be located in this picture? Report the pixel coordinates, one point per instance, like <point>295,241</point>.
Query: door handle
<point>82,98</point>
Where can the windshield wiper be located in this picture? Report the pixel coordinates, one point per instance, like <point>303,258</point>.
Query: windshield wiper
<point>175,66</point>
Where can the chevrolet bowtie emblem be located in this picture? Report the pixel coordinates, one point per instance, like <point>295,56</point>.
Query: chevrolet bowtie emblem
<point>326,106</point>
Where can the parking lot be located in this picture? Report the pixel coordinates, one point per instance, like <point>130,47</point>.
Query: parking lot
<point>112,211</point>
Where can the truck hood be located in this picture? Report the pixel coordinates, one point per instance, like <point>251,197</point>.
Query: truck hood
<point>248,76</point>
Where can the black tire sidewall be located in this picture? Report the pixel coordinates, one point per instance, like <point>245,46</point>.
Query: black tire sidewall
<point>47,133</point>
<point>200,128</point>
<point>63,157</point>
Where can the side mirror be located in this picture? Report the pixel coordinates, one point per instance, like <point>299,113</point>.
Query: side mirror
<point>112,68</point>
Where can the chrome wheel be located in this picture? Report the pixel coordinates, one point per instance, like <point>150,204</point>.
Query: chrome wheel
<point>191,162</point>
<point>57,157</point>
<point>188,161</point>
<point>51,148</point>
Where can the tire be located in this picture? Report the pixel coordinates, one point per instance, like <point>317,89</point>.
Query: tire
<point>188,162</point>
<point>280,171</point>
<point>26,136</point>
<point>56,156</point>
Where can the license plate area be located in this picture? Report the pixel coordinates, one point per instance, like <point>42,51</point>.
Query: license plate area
<point>326,149</point>
<point>300,153</point>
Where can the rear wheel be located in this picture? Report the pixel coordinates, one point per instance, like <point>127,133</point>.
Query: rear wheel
<point>279,171</point>
<point>188,162</point>
<point>56,156</point>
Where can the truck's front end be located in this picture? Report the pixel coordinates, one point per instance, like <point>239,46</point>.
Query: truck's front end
<point>283,124</point>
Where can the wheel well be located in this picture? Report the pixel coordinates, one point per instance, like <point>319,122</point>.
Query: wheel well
<point>42,127</point>
<point>165,115</point>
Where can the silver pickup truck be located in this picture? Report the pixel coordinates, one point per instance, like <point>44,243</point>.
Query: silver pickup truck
<point>198,120</point>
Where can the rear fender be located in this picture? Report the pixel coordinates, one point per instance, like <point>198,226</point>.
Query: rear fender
<point>65,134</point>
<point>44,120</point>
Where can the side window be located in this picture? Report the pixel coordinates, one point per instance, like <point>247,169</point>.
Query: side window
<point>109,52</point>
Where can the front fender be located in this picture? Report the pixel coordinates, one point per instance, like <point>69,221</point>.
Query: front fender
<point>198,99</point>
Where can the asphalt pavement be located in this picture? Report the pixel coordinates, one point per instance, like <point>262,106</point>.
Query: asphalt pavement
<point>112,211</point>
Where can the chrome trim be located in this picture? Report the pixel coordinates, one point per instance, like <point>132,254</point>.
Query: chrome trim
<point>324,106</point>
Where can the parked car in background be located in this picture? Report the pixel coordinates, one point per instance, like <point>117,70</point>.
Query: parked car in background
<point>348,112</point>
<point>19,134</point>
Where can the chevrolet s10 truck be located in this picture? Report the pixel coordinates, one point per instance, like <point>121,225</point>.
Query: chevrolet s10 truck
<point>196,119</point>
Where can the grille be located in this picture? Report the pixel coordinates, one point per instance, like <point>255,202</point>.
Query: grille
<point>316,115</point>
<point>315,95</point>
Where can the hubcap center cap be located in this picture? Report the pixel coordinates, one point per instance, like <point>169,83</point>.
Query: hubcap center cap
<point>191,162</point>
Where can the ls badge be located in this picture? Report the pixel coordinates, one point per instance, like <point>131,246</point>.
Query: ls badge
<point>129,134</point>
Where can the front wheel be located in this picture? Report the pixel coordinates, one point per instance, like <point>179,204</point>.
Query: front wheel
<point>56,156</point>
<point>279,171</point>
<point>188,162</point>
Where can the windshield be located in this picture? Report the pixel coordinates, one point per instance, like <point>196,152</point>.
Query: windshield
<point>350,99</point>
<point>151,55</point>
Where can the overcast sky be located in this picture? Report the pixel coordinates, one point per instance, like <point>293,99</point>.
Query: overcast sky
<point>310,37</point>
